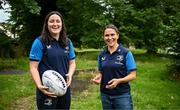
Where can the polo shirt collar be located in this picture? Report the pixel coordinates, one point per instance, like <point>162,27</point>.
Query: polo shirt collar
<point>118,50</point>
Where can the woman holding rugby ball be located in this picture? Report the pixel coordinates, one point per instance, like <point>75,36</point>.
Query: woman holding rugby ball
<point>52,51</point>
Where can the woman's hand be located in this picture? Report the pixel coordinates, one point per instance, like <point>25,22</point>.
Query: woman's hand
<point>97,79</point>
<point>69,75</point>
<point>44,89</point>
<point>69,79</point>
<point>113,83</point>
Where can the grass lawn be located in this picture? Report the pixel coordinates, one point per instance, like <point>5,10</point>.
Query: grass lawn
<point>152,89</point>
<point>13,87</point>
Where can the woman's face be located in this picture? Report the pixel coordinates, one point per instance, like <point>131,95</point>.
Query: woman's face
<point>54,25</point>
<point>111,37</point>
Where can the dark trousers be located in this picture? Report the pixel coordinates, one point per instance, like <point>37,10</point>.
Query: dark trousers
<point>60,103</point>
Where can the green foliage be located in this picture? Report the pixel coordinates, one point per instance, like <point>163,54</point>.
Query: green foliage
<point>25,22</point>
<point>119,12</point>
<point>84,20</point>
<point>148,24</point>
<point>149,29</point>
<point>6,45</point>
<point>173,42</point>
<point>142,22</point>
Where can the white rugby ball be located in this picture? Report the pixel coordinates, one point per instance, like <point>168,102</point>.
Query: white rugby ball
<point>55,82</point>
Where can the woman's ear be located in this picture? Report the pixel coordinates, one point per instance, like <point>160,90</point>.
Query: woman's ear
<point>118,36</point>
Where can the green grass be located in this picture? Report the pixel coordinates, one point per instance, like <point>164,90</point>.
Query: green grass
<point>87,60</point>
<point>14,87</point>
<point>87,100</point>
<point>21,63</point>
<point>152,89</point>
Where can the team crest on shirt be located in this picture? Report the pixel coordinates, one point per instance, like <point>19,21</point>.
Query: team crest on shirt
<point>119,59</point>
<point>48,102</point>
<point>66,49</point>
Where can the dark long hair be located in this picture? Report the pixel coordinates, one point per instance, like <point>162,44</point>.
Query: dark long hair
<point>47,38</point>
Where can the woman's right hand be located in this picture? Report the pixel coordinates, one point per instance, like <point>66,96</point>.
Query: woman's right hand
<point>44,89</point>
<point>97,79</point>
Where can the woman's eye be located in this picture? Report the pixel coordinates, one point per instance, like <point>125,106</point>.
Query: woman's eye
<point>107,35</point>
<point>58,21</point>
<point>51,21</point>
<point>112,34</point>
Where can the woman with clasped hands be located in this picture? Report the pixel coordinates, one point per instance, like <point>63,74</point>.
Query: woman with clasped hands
<point>117,67</point>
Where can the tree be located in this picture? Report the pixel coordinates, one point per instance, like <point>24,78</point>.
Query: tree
<point>6,43</point>
<point>25,22</point>
<point>145,23</point>
<point>84,21</point>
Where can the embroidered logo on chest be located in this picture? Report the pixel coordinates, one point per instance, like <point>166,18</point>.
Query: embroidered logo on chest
<point>119,59</point>
<point>66,49</point>
<point>48,46</point>
<point>103,58</point>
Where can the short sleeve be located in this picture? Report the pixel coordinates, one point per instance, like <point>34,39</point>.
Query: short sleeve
<point>130,62</point>
<point>36,51</point>
<point>71,51</point>
<point>99,63</point>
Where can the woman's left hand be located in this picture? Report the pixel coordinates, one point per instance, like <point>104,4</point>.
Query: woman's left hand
<point>112,83</point>
<point>69,79</point>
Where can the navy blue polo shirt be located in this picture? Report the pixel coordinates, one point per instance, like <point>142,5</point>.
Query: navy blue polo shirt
<point>115,65</point>
<point>52,56</point>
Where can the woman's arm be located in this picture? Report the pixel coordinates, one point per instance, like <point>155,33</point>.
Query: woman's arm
<point>34,73</point>
<point>129,77</point>
<point>114,82</point>
<point>72,67</point>
<point>36,78</point>
<point>97,78</point>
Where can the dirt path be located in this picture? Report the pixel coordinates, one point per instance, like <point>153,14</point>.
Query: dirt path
<point>12,71</point>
